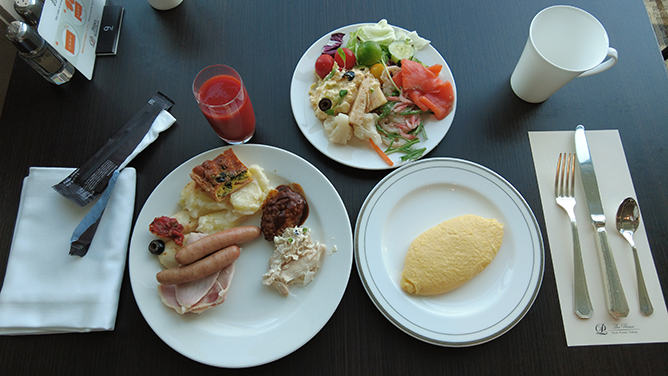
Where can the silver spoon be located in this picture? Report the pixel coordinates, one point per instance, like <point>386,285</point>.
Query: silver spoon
<point>627,222</point>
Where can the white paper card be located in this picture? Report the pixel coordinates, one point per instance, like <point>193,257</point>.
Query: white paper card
<point>615,184</point>
<point>72,28</point>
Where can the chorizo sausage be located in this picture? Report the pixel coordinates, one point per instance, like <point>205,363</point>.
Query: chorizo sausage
<point>211,243</point>
<point>200,268</point>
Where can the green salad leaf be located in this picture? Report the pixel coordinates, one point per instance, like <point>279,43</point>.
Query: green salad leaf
<point>380,32</point>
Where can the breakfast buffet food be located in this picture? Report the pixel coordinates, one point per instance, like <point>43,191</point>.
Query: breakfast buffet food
<point>200,268</point>
<point>221,176</point>
<point>201,285</point>
<point>295,260</point>
<point>284,207</point>
<point>206,245</point>
<point>199,245</point>
<point>375,89</point>
<point>200,295</point>
<point>449,254</point>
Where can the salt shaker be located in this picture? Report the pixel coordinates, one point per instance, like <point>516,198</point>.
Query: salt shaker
<point>29,10</point>
<point>39,54</point>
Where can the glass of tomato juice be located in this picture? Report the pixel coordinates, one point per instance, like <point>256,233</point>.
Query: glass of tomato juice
<point>223,99</point>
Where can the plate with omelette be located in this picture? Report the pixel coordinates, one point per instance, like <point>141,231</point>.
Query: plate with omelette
<point>449,252</point>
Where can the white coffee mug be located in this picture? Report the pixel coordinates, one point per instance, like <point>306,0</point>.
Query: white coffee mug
<point>164,4</point>
<point>564,42</point>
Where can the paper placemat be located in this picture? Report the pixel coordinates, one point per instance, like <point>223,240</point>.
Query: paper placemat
<point>615,184</point>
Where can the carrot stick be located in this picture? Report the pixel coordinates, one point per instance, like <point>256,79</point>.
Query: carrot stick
<point>380,152</point>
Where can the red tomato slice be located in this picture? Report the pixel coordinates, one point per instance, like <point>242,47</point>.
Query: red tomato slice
<point>323,65</point>
<point>350,58</point>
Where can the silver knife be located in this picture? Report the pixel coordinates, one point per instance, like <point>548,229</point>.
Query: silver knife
<point>614,293</point>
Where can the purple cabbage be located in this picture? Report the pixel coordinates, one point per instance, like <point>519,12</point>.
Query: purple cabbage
<point>335,41</point>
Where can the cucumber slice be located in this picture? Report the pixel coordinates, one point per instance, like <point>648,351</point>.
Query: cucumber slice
<point>401,50</point>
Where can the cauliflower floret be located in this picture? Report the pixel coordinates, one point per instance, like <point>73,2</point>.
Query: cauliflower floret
<point>367,129</point>
<point>337,129</point>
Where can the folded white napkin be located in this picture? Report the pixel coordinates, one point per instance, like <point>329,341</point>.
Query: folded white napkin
<point>47,291</point>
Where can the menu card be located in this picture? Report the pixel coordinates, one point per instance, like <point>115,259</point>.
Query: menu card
<point>615,184</point>
<point>72,28</point>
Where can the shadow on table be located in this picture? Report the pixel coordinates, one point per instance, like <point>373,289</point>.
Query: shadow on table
<point>510,115</point>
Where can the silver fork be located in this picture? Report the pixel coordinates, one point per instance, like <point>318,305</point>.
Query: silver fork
<point>564,190</point>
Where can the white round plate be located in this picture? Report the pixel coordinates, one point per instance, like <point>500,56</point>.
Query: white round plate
<point>255,325</point>
<point>421,195</point>
<point>358,153</point>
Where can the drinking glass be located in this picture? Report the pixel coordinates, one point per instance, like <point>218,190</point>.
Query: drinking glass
<point>224,101</point>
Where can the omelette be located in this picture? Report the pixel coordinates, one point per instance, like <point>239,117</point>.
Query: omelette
<point>451,253</point>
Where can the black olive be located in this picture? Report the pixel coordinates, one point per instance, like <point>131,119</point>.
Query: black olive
<point>349,75</point>
<point>325,104</point>
<point>156,247</point>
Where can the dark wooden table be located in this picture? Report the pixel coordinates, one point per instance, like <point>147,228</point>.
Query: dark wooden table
<point>46,125</point>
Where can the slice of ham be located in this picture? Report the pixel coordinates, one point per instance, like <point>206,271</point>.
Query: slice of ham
<point>168,296</point>
<point>190,293</point>
<point>198,296</point>
<point>218,292</point>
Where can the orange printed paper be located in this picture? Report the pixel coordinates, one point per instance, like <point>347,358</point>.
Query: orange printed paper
<point>78,11</point>
<point>70,41</point>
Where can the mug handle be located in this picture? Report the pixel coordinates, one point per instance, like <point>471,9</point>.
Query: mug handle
<point>612,54</point>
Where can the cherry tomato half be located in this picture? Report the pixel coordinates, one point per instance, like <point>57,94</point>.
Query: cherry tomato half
<point>350,58</point>
<point>377,70</point>
<point>323,65</point>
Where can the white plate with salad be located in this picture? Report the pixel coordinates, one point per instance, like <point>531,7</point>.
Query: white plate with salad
<point>358,153</point>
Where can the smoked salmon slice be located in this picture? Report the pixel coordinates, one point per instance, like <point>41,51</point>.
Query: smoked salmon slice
<point>440,102</point>
<point>426,90</point>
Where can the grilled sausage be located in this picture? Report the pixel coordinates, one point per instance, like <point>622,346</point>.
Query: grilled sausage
<point>201,268</point>
<point>219,240</point>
